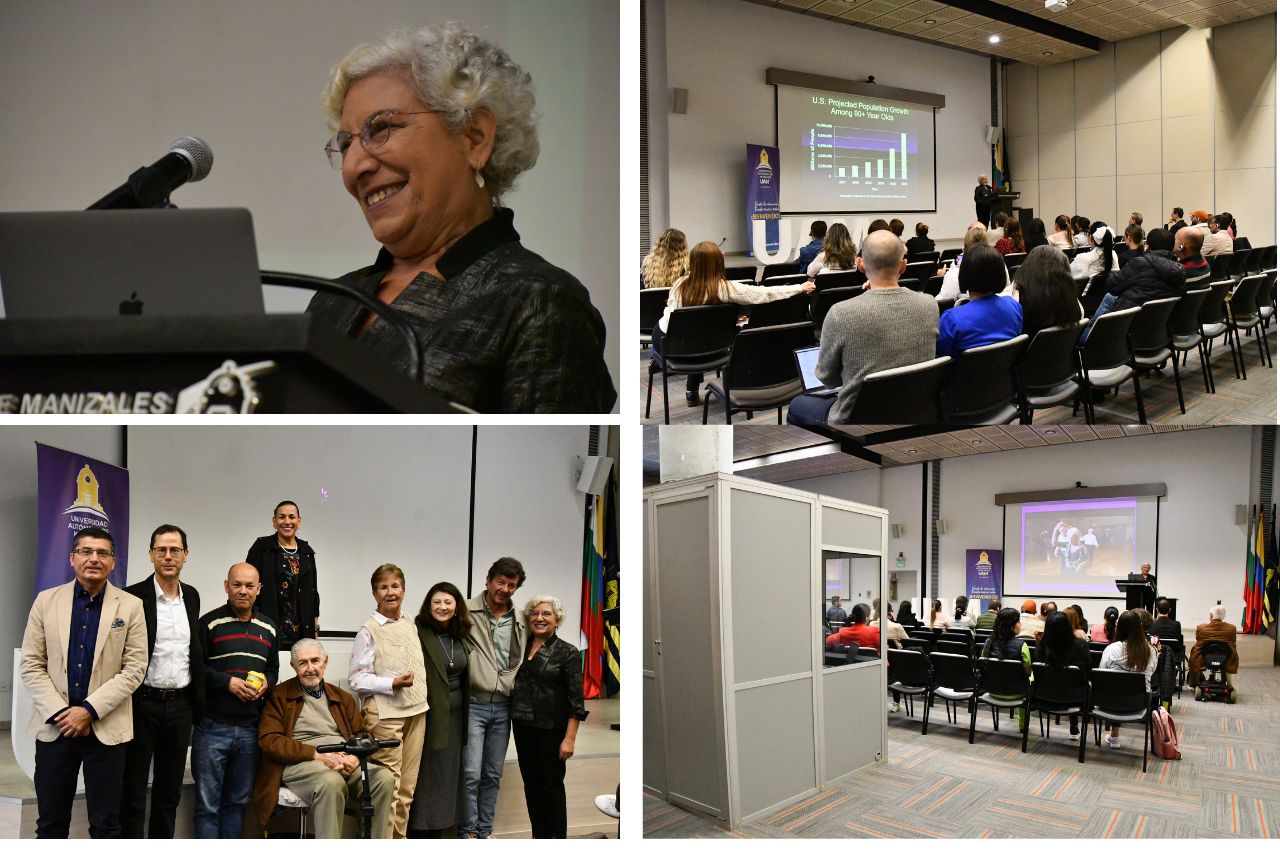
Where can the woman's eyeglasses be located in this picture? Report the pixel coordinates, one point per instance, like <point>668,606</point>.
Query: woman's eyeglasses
<point>373,135</point>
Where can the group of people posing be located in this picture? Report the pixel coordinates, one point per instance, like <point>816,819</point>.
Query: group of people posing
<point>122,681</point>
<point>890,326</point>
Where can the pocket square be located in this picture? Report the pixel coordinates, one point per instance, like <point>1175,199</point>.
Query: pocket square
<point>117,623</point>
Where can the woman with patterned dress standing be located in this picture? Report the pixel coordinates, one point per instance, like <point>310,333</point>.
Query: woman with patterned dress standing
<point>287,572</point>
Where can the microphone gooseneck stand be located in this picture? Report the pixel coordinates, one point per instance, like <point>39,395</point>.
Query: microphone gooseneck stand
<point>361,745</point>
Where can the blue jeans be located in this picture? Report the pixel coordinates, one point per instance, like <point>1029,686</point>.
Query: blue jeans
<point>223,761</point>
<point>810,410</point>
<point>1108,301</point>
<point>488,730</point>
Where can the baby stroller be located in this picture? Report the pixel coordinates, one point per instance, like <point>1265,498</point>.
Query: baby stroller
<point>1213,677</point>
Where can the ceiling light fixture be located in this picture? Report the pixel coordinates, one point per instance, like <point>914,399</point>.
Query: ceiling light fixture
<point>995,39</point>
<point>930,21</point>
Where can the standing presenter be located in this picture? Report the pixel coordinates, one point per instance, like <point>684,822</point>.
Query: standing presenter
<point>984,195</point>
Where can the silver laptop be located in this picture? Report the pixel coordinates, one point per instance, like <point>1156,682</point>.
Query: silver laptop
<point>105,263</point>
<point>806,365</point>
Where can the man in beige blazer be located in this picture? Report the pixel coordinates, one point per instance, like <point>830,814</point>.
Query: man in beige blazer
<point>84,653</point>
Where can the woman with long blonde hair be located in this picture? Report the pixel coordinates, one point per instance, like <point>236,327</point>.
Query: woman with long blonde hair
<point>838,252</point>
<point>668,260</point>
<point>705,284</point>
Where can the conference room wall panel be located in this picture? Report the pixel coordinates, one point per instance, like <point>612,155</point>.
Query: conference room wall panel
<point>1253,191</point>
<point>1138,151</point>
<point>1056,98</point>
<point>106,88</point>
<point>1138,78</point>
<point>1021,87</point>
<point>1139,192</point>
<point>1057,155</point>
<point>1201,549</point>
<point>1099,193</point>
<point>1184,103</point>
<point>1095,86</point>
<point>1096,152</point>
<point>729,105</point>
<point>1057,197</point>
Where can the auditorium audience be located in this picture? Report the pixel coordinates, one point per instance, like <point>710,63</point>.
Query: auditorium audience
<point>1175,222</point>
<point>996,233</point>
<point>1032,625</point>
<point>668,261</point>
<point>1200,220</point>
<point>894,634</point>
<point>1047,608</point>
<point>1004,645</point>
<point>920,243</point>
<point>897,225</point>
<point>937,619</point>
<point>1044,288</point>
<point>1062,646</point>
<point>961,619</point>
<point>1061,236</point>
<point>878,225</point>
<point>1134,236</point>
<point>1232,227</point>
<point>1135,218</point>
<point>986,318</point>
<point>1080,231</point>
<point>1084,624</point>
<point>1035,235</point>
<point>1105,632</point>
<point>906,617</point>
<point>1077,628</point>
<point>1154,274</point>
<point>857,631</point>
<point>705,284</point>
<point>885,327</point>
<point>1186,247</point>
<point>817,233</point>
<point>838,252</point>
<point>835,612</point>
<point>1217,240</point>
<point>987,620</point>
<point>1130,651</point>
<point>1165,626</point>
<point>1011,242</point>
<point>1101,259</point>
<point>951,290</point>
<point>1216,629</point>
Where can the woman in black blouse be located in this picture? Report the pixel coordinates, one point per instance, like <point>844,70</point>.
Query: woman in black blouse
<point>546,708</point>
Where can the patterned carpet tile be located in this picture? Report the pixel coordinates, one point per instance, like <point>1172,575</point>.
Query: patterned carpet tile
<point>1064,784</point>
<point>948,798</point>
<point>1155,800</point>
<point>1035,817</point>
<point>1259,759</point>
<point>818,815</point>
<point>1240,815</point>
<point>887,821</point>
<point>1114,823</point>
<point>1260,784</point>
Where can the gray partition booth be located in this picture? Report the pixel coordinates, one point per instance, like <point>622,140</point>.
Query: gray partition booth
<point>741,717</point>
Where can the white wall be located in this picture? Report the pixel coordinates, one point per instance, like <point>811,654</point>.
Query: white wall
<point>1202,550</point>
<point>719,50</point>
<point>369,495</point>
<point>1184,117</point>
<point>97,90</point>
<point>18,522</point>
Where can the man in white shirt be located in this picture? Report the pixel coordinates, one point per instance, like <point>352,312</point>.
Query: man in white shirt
<point>1217,240</point>
<point>170,693</point>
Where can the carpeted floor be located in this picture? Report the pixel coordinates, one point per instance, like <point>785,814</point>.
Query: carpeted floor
<point>1251,401</point>
<point>1227,784</point>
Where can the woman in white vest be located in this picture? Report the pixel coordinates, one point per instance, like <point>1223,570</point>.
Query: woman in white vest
<point>389,674</point>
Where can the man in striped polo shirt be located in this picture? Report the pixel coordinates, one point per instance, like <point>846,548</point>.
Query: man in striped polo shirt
<point>241,664</point>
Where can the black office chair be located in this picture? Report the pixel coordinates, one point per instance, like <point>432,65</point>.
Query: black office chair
<point>1269,257</point>
<point>1012,261</point>
<point>825,299</point>
<point>783,311</point>
<point>909,676</point>
<point>780,269</point>
<point>1219,264</point>
<point>746,273</point>
<point>950,254</point>
<point>1214,323</point>
<point>1004,685</point>
<point>907,395</point>
<point>1045,374</point>
<point>920,270</point>
<point>1120,696</point>
<point>1184,334</point>
<point>1150,342</point>
<point>1235,265</point>
<point>1253,263</point>
<point>698,339</point>
<point>861,654</point>
<point>652,304</point>
<point>1240,243</point>
<point>923,257</point>
<point>1243,315</point>
<point>761,372</point>
<point>953,683</point>
<point>784,280</point>
<point>1104,360</point>
<point>980,389</point>
<point>839,280</point>
<point>1061,692</point>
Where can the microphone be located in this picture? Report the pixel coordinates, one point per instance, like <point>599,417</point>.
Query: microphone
<point>188,160</point>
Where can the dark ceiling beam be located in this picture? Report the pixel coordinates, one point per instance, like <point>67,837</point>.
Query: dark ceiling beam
<point>1004,14</point>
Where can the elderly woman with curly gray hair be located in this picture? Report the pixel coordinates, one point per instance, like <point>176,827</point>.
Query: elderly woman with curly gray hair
<point>433,126</point>
<point>546,708</point>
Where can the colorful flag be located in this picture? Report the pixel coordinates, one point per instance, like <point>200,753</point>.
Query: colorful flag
<point>612,595</point>
<point>1260,573</point>
<point>592,601</point>
<point>999,171</point>
<point>1271,579</point>
<point>77,492</point>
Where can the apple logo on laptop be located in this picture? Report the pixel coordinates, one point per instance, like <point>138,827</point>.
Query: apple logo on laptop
<point>131,307</point>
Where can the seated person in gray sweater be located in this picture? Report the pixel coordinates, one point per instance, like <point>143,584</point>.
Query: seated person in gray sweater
<point>885,327</point>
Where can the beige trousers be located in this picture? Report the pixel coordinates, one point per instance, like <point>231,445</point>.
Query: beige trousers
<point>402,761</point>
<point>328,793</point>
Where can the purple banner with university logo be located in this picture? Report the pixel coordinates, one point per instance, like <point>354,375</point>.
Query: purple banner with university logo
<point>982,571</point>
<point>77,492</point>
<point>762,193</point>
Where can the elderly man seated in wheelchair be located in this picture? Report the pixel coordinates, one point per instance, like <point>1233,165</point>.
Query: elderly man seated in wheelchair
<point>300,715</point>
<point>1216,630</point>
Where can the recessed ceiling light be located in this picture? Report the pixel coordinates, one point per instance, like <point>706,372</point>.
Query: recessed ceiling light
<point>1047,53</point>
<point>930,21</point>
<point>913,451</point>
<point>995,39</point>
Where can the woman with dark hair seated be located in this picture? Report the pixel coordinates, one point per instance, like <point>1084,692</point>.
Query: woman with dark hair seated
<point>857,631</point>
<point>1044,288</point>
<point>906,617</point>
<point>987,317</point>
<point>1131,651</point>
<point>1106,630</point>
<point>1061,647</point>
<point>1004,645</point>
<point>920,243</point>
<point>1035,235</point>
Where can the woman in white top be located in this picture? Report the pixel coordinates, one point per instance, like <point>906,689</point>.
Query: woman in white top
<point>838,252</point>
<point>961,618</point>
<point>950,290</point>
<point>1061,236</point>
<point>1101,260</point>
<point>705,284</point>
<point>1131,651</point>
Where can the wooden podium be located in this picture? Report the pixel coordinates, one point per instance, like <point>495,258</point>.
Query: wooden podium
<point>279,363</point>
